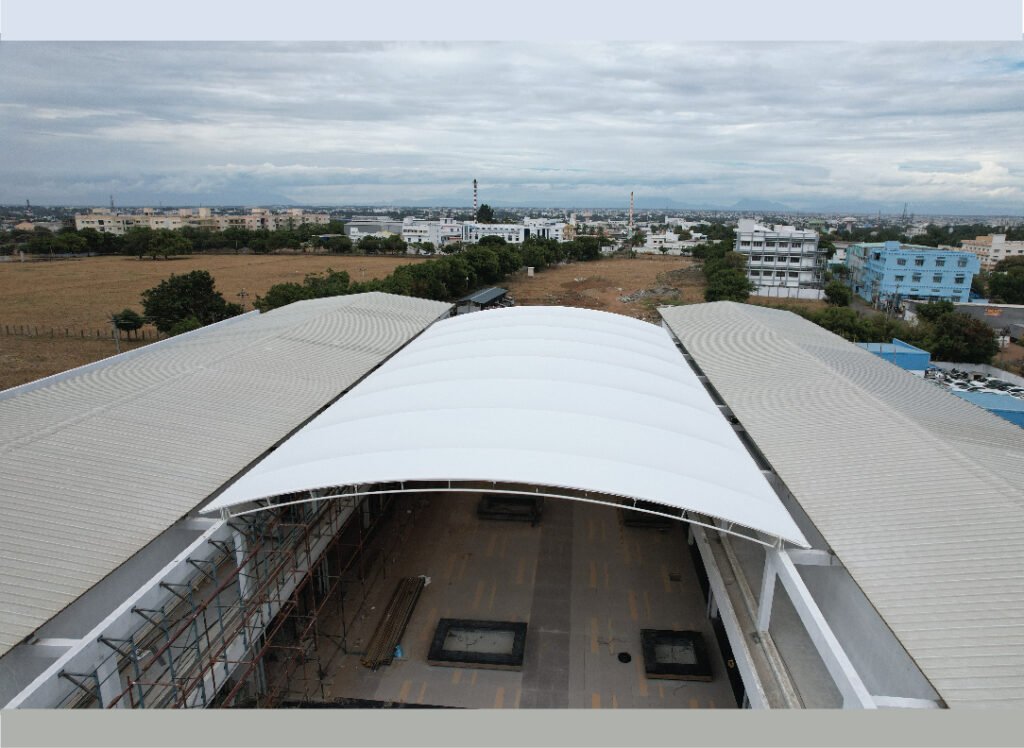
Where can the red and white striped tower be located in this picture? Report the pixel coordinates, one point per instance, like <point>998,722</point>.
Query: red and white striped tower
<point>474,200</point>
<point>631,213</point>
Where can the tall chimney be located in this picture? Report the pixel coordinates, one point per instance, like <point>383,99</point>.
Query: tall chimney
<point>475,207</point>
<point>631,213</point>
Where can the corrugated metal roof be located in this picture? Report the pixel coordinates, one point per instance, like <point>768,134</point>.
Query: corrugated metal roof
<point>95,465</point>
<point>917,492</point>
<point>485,296</point>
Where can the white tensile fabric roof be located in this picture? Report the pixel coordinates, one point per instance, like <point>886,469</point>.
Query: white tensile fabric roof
<point>548,396</point>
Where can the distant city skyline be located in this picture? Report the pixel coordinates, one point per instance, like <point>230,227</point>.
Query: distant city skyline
<point>793,126</point>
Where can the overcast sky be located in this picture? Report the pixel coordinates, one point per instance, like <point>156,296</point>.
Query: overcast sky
<point>810,126</point>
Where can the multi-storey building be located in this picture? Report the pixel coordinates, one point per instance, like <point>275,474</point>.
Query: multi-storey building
<point>780,255</point>
<point>992,248</point>
<point>439,233</point>
<point>106,221</point>
<point>882,272</point>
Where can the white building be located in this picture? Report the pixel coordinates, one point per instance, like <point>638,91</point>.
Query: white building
<point>515,233</point>
<point>780,255</point>
<point>668,243</point>
<point>439,233</point>
<point>992,249</point>
<point>361,226</point>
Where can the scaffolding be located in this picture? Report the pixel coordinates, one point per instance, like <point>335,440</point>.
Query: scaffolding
<point>246,627</point>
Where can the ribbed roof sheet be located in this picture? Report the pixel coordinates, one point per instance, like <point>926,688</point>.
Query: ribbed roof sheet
<point>917,491</point>
<point>549,396</point>
<point>97,463</point>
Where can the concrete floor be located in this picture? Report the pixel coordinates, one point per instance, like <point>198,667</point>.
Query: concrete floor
<point>585,583</point>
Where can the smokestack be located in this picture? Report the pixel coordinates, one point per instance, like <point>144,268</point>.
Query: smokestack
<point>631,213</point>
<point>474,200</point>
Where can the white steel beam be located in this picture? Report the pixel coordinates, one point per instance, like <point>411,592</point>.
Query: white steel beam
<point>812,557</point>
<point>740,652</point>
<point>47,690</point>
<point>64,643</point>
<point>900,702</point>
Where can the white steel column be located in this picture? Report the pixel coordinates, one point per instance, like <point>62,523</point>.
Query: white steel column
<point>110,681</point>
<point>767,598</point>
<point>241,549</point>
<point>779,565</point>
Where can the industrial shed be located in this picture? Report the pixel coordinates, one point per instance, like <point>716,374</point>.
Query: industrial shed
<point>316,529</point>
<point>99,462</point>
<point>911,496</point>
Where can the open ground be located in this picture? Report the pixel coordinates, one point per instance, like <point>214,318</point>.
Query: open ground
<point>648,280</point>
<point>80,295</point>
<point>84,293</point>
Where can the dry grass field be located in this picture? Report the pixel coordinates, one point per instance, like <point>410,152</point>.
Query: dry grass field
<point>79,295</point>
<point>82,294</point>
<point>25,359</point>
<point>603,284</point>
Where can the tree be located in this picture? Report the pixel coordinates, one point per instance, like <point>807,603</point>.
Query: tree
<point>491,240</point>
<point>186,325</point>
<point>182,296</point>
<point>961,338</point>
<point>979,285</point>
<point>341,244</point>
<point>142,241</point>
<point>724,271</point>
<point>281,294</point>
<point>1008,263</point>
<point>933,310</point>
<point>166,243</point>
<point>1007,287</point>
<point>838,294</point>
<point>370,244</point>
<point>728,284</point>
<point>395,244</point>
<point>485,214</point>
<point>127,320</point>
<point>313,286</point>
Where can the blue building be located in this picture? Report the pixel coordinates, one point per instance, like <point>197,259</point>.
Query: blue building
<point>1004,406</point>
<point>884,273</point>
<point>904,355</point>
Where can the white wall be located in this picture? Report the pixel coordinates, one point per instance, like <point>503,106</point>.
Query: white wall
<point>786,292</point>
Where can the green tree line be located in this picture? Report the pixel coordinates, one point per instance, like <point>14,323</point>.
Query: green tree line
<point>443,278</point>
<point>947,334</point>
<point>143,241</point>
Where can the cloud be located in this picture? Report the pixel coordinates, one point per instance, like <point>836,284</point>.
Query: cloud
<point>942,167</point>
<point>805,124</point>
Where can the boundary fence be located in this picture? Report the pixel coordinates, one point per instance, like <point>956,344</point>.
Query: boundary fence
<point>47,331</point>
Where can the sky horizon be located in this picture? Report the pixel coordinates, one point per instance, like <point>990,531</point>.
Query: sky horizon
<point>814,127</point>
